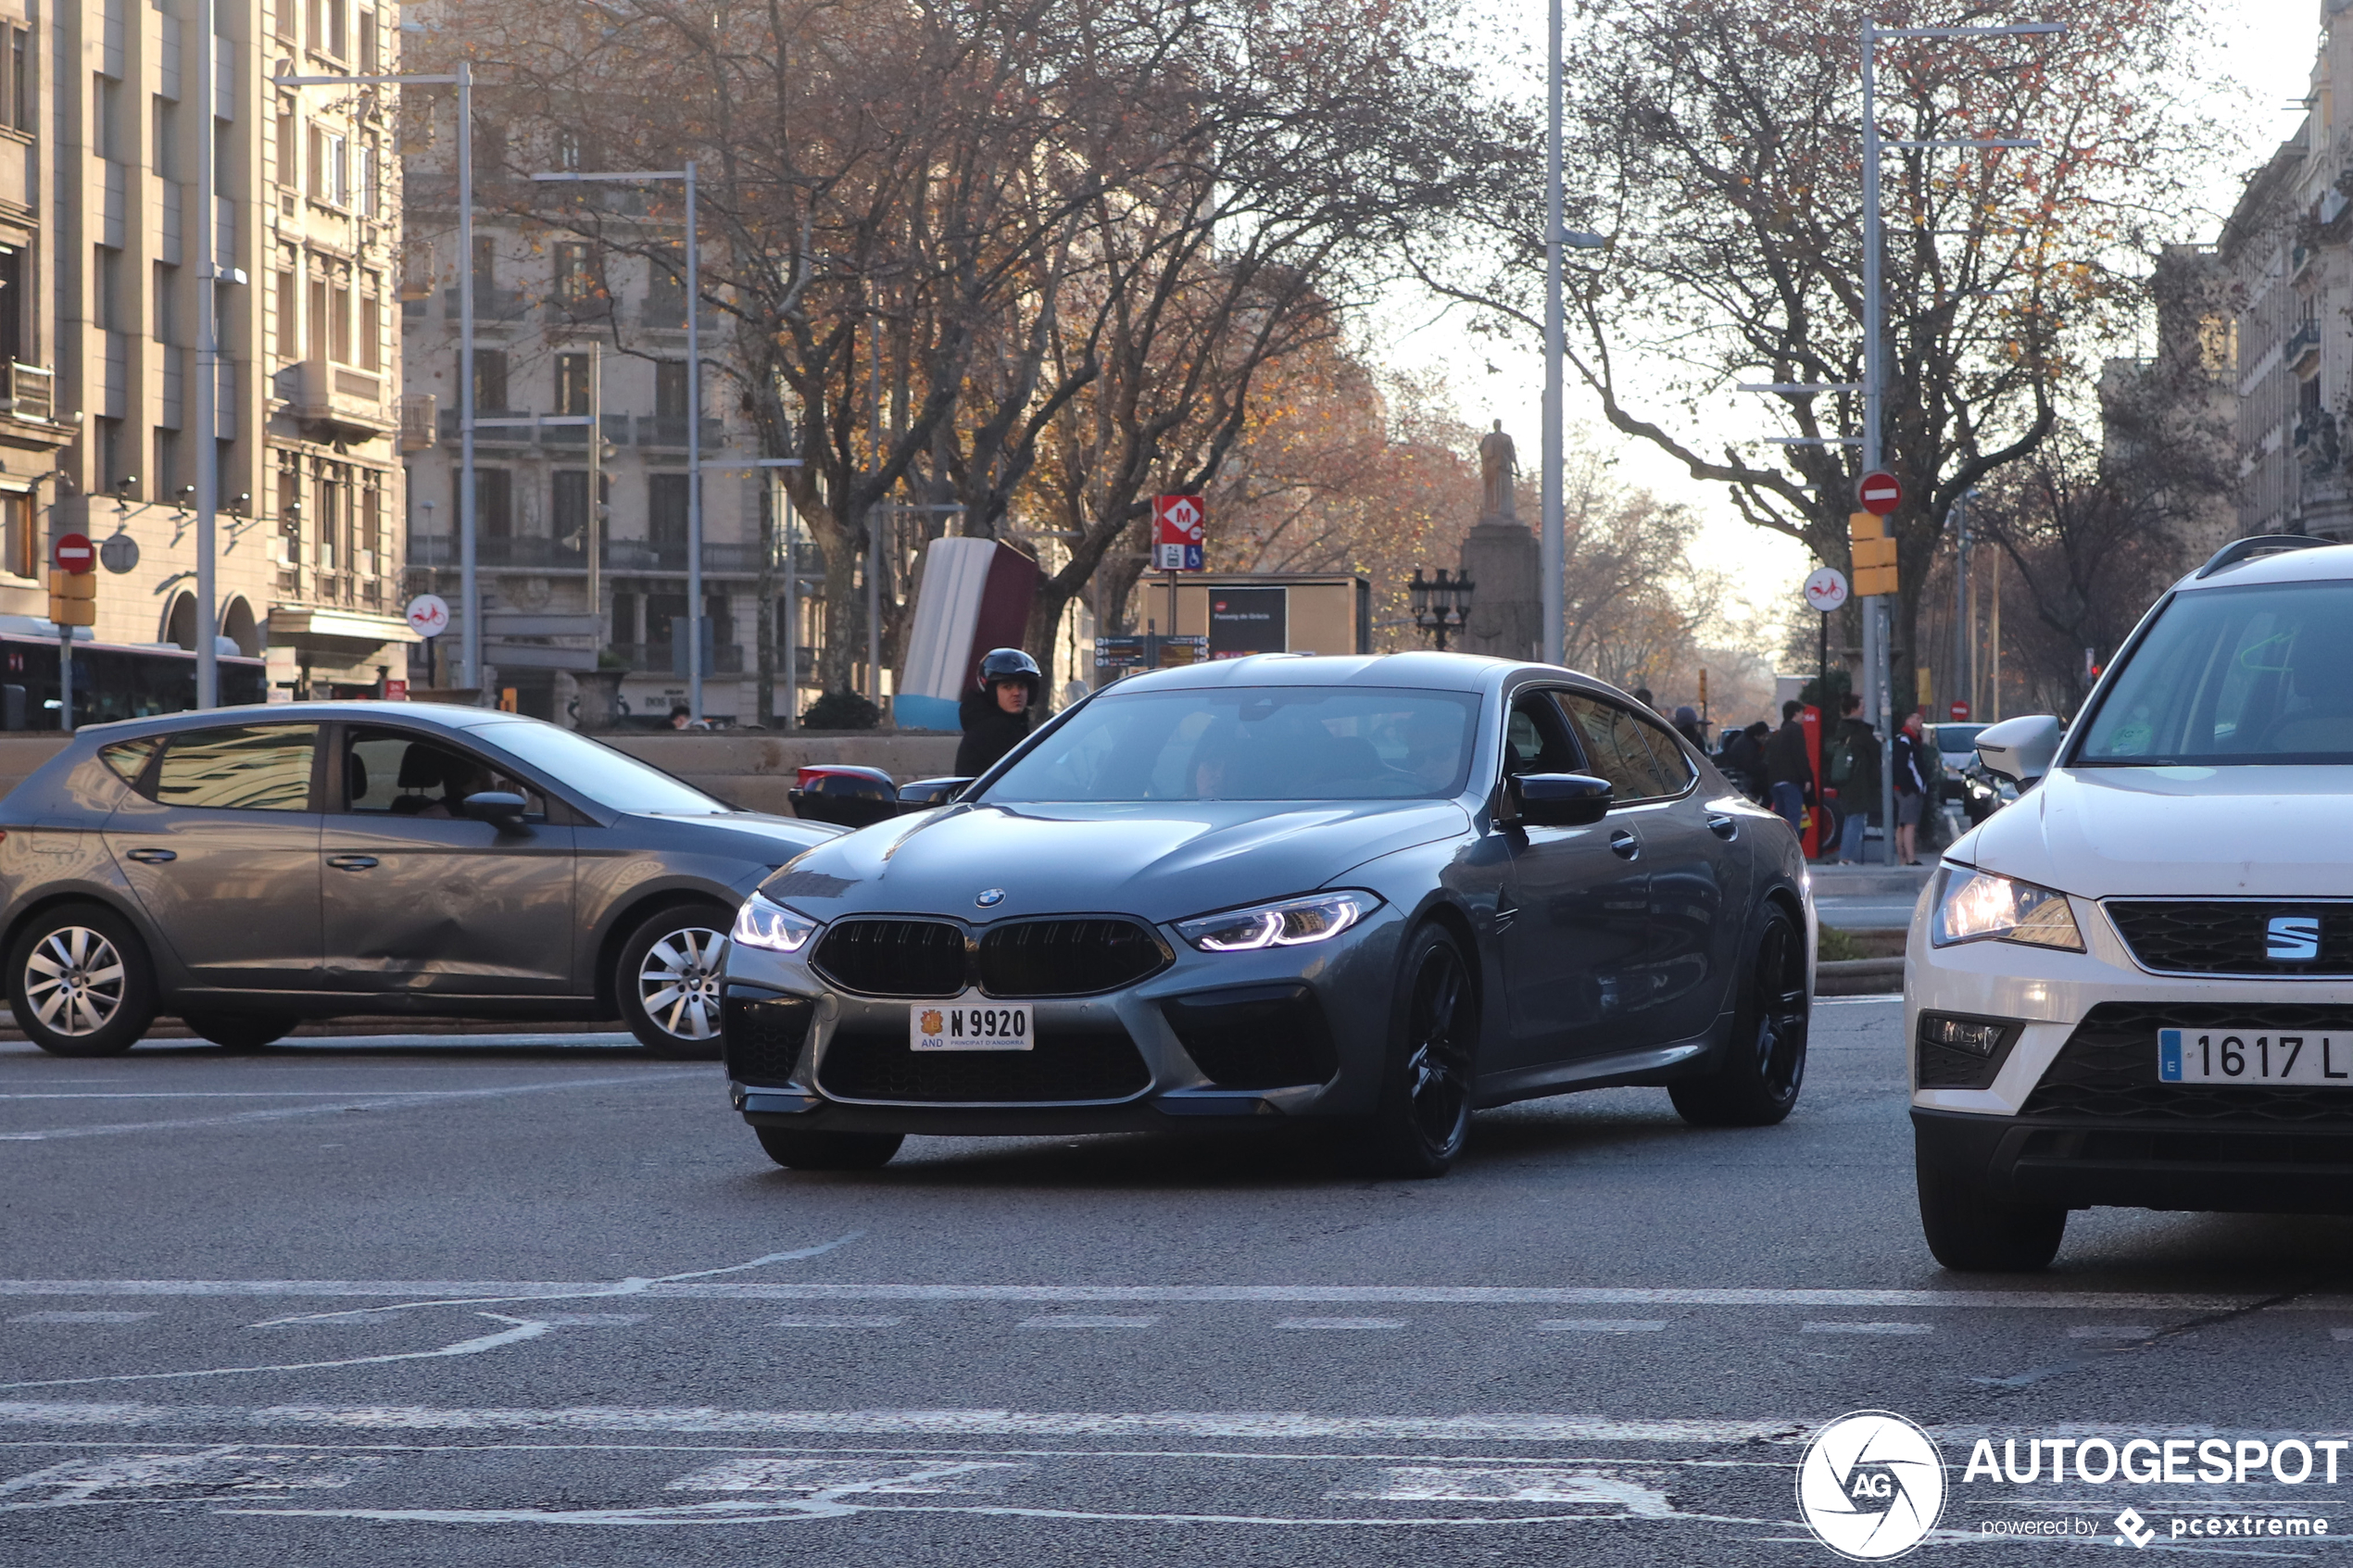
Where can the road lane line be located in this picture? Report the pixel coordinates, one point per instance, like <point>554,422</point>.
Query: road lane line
<point>406,1100</point>
<point>1277,1426</point>
<point>1601,1326</point>
<point>1342,1322</point>
<point>836,1322</point>
<point>81,1317</point>
<point>685,1288</point>
<point>1865,1328</point>
<point>521,1331</point>
<point>1086,1320</point>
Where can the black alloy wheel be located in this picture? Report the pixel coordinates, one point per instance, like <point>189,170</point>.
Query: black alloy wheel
<point>667,980</point>
<point>1754,1083</point>
<point>1972,1230</point>
<point>79,983</point>
<point>1424,1119</point>
<point>799,1150</point>
<point>239,1031</point>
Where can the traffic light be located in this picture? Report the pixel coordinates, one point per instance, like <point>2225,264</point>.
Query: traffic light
<point>1873,554</point>
<point>73,598</point>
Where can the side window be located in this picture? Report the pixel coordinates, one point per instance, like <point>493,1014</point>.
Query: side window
<point>392,773</point>
<point>129,758</point>
<point>1674,768</point>
<point>242,767</point>
<point>1533,740</point>
<point>1614,747</point>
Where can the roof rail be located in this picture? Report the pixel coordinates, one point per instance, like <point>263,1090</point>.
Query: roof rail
<point>2238,550</point>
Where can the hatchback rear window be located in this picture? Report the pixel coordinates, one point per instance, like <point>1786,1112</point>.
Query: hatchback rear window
<point>241,767</point>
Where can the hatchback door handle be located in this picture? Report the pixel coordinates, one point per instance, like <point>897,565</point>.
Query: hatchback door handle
<point>1624,845</point>
<point>154,857</point>
<point>352,862</point>
<point>1724,828</point>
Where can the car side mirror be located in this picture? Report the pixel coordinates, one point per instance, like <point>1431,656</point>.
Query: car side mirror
<point>843,794</point>
<point>501,808</point>
<point>1559,800</point>
<point>2020,750</point>
<point>922,795</point>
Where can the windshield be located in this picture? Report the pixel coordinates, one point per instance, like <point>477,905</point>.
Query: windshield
<point>1254,742</point>
<point>2236,675</point>
<point>598,771</point>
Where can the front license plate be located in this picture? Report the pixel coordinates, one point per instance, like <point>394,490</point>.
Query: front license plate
<point>969,1026</point>
<point>2319,1058</point>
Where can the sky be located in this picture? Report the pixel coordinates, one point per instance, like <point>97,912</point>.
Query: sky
<point>2262,67</point>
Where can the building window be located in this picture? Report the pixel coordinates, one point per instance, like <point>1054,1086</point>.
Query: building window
<point>339,321</point>
<point>314,336</point>
<point>12,306</point>
<point>666,510</point>
<point>21,553</point>
<point>574,393</point>
<point>372,515</point>
<point>289,320</point>
<point>105,289</point>
<point>164,159</point>
<point>670,389</point>
<point>114,458</point>
<point>568,507</point>
<point>576,276</point>
<point>168,476</point>
<point>490,379</point>
<point>372,324</point>
<point>368,56</point>
<point>625,616</point>
<point>493,503</point>
<point>666,287</point>
<point>107,128</point>
<point>166,311</point>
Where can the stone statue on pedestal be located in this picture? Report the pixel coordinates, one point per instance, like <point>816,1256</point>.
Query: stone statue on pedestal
<point>1500,555</point>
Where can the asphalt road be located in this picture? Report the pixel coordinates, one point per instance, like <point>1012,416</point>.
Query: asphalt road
<point>538,1303</point>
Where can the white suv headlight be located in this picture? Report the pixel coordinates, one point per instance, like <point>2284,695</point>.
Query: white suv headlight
<point>761,923</point>
<point>1977,905</point>
<point>1294,922</point>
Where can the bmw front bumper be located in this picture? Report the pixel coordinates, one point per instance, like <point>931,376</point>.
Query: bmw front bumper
<point>1212,1040</point>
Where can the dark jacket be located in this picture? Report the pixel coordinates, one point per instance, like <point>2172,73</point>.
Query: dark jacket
<point>1744,755</point>
<point>1785,758</point>
<point>1909,777</point>
<point>989,732</point>
<point>1861,783</point>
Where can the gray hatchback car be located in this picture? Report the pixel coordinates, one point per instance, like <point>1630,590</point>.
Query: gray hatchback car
<point>246,868</point>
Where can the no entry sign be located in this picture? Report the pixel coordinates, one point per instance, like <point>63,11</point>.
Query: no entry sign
<point>1879,492</point>
<point>74,553</point>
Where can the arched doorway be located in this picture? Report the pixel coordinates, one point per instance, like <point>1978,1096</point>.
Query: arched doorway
<point>238,625</point>
<point>180,621</point>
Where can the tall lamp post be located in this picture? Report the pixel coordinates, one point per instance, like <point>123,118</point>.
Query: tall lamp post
<point>468,581</point>
<point>694,413</point>
<point>1440,609</point>
<point>1876,619</point>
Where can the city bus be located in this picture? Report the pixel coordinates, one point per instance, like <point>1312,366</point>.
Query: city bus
<point>111,681</point>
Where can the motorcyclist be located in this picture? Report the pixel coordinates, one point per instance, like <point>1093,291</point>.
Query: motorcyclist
<point>995,714</point>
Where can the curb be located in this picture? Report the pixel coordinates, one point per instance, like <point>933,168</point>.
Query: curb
<point>1858,977</point>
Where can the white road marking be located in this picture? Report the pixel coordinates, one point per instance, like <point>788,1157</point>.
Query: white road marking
<point>1601,1326</point>
<point>754,1475</point>
<point>2109,1330</point>
<point>837,1323</point>
<point>685,1287</point>
<point>521,1331</point>
<point>1275,1425</point>
<point>635,1285</point>
<point>1085,1320</point>
<point>1865,1328</point>
<point>2341,1335</point>
<point>406,1100</point>
<point>81,1317</point>
<point>1519,1483</point>
<point>229,1469</point>
<point>1342,1322</point>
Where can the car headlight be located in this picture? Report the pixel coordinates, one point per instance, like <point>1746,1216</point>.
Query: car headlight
<point>761,923</point>
<point>1977,905</point>
<point>1294,922</point>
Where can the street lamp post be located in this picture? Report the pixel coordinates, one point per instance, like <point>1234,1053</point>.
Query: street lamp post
<point>1440,609</point>
<point>694,414</point>
<point>1552,554</point>
<point>1876,618</point>
<point>468,581</point>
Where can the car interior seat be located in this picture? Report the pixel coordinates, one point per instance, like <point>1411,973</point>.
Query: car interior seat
<point>421,768</point>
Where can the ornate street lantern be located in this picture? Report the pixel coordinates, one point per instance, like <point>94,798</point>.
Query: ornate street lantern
<point>1442,608</point>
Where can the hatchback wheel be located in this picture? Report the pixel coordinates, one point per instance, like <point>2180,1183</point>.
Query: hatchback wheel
<point>1424,1118</point>
<point>79,983</point>
<point>1754,1083</point>
<point>668,981</point>
<point>238,1031</point>
<point>1972,1231</point>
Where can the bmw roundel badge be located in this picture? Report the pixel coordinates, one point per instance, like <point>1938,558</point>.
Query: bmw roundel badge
<point>991,898</point>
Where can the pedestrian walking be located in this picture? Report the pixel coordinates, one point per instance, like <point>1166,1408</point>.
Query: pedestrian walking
<point>995,714</point>
<point>1789,772</point>
<point>1911,789</point>
<point>1852,769</point>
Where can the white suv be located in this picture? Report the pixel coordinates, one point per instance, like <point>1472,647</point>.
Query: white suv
<point>2135,988</point>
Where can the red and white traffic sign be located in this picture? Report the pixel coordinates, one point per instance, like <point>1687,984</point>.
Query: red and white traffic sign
<point>1959,711</point>
<point>429,613</point>
<point>1179,532</point>
<point>74,553</point>
<point>1880,491</point>
<point>1826,590</point>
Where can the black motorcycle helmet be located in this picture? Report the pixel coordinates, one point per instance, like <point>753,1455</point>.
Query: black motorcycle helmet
<point>1011,664</point>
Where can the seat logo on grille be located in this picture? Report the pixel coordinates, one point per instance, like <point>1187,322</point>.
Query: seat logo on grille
<point>991,898</point>
<point>2293,939</point>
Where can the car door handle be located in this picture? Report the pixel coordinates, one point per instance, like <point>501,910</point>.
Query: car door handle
<point>1624,845</point>
<point>154,857</point>
<point>1724,828</point>
<point>352,862</point>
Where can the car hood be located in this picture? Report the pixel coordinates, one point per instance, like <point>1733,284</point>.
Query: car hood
<point>752,834</point>
<point>2176,831</point>
<point>1160,861</point>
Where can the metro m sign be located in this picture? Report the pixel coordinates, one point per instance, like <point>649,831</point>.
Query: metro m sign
<point>1179,532</point>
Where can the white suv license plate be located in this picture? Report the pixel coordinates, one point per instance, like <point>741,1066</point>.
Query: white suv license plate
<point>2319,1058</point>
<point>970,1026</point>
